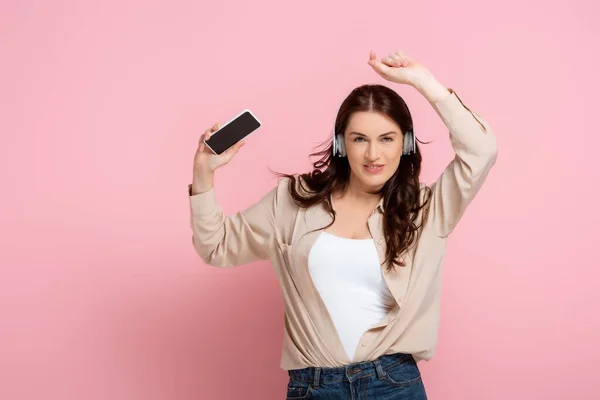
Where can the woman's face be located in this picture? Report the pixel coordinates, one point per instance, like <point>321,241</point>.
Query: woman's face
<point>374,145</point>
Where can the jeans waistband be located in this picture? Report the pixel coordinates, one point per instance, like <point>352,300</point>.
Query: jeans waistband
<point>349,372</point>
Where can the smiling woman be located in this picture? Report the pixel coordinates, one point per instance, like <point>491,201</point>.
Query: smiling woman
<point>356,137</point>
<point>371,159</point>
<point>379,154</point>
<point>348,237</point>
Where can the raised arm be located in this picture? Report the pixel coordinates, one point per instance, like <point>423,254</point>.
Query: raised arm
<point>473,142</point>
<point>475,151</point>
<point>220,240</point>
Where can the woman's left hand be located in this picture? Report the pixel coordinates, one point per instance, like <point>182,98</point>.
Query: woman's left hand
<point>398,67</point>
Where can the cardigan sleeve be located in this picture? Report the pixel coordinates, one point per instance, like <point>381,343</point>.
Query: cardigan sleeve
<point>475,149</point>
<point>240,238</point>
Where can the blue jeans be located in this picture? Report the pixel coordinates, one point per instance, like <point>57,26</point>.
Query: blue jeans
<point>392,376</point>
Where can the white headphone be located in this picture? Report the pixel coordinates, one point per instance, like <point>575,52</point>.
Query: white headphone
<point>339,149</point>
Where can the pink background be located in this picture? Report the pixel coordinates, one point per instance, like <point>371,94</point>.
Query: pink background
<point>102,103</point>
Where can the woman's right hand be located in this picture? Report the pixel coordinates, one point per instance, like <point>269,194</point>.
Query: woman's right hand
<point>205,161</point>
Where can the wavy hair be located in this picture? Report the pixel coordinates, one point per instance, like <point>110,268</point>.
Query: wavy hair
<point>401,193</point>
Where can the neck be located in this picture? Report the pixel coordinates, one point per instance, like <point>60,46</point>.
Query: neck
<point>360,193</point>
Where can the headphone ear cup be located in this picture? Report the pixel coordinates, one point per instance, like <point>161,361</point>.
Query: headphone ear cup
<point>341,146</point>
<point>334,144</point>
<point>409,143</point>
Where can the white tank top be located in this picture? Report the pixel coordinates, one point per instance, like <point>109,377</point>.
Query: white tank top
<point>347,275</point>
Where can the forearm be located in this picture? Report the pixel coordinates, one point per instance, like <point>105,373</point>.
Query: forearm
<point>430,88</point>
<point>468,130</point>
<point>202,182</point>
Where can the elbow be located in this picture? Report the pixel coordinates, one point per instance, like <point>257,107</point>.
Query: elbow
<point>204,252</point>
<point>487,150</point>
<point>490,154</point>
<point>206,257</point>
<point>211,259</point>
<point>478,162</point>
<point>209,255</point>
<point>480,159</point>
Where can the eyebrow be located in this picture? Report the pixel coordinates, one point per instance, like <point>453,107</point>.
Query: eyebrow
<point>362,134</point>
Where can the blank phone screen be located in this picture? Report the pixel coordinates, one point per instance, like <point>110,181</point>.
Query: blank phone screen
<point>233,132</point>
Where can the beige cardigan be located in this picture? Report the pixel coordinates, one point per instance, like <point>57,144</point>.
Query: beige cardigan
<point>276,229</point>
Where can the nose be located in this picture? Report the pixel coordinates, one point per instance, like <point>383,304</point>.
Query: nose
<point>372,152</point>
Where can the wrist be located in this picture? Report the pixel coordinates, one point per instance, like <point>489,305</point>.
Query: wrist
<point>202,182</point>
<point>432,89</point>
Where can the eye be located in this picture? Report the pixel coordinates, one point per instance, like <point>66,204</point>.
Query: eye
<point>358,139</point>
<point>388,139</point>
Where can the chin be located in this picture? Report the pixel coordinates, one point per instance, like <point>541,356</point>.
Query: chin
<point>374,180</point>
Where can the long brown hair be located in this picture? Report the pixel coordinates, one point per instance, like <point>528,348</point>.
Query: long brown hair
<point>401,193</point>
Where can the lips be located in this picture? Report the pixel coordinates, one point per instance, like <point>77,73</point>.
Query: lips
<point>373,168</point>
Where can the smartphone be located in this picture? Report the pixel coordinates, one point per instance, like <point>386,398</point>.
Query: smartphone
<point>233,131</point>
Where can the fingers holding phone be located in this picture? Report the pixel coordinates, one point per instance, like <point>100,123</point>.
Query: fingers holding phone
<point>205,160</point>
<point>219,144</point>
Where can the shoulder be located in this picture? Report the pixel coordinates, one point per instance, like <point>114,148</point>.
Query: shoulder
<point>284,189</point>
<point>295,183</point>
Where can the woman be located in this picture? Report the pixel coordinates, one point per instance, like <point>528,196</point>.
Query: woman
<point>358,243</point>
